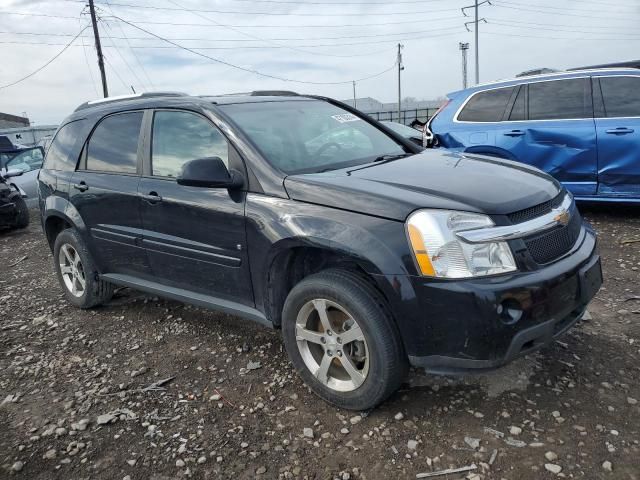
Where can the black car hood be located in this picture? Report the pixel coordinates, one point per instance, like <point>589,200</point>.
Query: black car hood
<point>431,179</point>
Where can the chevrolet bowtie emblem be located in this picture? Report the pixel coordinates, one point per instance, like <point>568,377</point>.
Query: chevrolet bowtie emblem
<point>562,217</point>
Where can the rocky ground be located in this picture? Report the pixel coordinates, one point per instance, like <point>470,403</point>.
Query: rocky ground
<point>151,389</point>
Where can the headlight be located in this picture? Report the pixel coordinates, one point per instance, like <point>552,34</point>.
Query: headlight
<point>440,253</point>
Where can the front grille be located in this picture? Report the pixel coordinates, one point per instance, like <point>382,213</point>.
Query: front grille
<point>550,245</point>
<point>535,211</point>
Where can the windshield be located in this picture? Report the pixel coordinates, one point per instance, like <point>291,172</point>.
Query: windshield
<point>310,136</point>
<point>403,129</point>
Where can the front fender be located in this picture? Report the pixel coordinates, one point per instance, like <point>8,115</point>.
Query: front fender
<point>22,193</point>
<point>274,225</point>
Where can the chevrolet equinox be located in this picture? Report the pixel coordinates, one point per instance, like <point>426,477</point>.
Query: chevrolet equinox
<point>303,214</point>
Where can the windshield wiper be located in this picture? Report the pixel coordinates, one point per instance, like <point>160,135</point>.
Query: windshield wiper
<point>389,157</point>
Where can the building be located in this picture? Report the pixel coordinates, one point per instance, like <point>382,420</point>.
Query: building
<point>12,121</point>
<point>27,136</point>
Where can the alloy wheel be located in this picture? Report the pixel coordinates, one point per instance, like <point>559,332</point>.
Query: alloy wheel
<point>72,270</point>
<point>332,345</point>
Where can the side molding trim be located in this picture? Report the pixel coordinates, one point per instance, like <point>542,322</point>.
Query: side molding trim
<point>187,296</point>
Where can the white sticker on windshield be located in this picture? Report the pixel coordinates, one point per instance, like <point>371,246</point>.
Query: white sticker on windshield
<point>345,117</point>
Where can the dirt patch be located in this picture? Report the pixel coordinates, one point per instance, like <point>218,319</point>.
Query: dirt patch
<point>152,389</point>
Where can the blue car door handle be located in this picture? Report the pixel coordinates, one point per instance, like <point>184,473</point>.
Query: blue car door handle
<point>619,131</point>
<point>514,133</point>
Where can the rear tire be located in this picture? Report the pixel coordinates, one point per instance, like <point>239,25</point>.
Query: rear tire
<point>352,374</point>
<point>76,271</point>
<point>22,217</point>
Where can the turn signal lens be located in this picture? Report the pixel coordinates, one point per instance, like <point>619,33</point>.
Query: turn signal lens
<point>420,251</point>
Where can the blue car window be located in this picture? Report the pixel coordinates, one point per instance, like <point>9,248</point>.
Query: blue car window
<point>518,111</point>
<point>559,99</point>
<point>621,96</point>
<point>487,106</point>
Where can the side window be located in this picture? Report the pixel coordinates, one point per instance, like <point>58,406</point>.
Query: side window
<point>179,137</point>
<point>621,96</point>
<point>486,106</point>
<point>560,99</point>
<point>518,109</point>
<point>27,160</point>
<point>113,147</point>
<point>64,150</point>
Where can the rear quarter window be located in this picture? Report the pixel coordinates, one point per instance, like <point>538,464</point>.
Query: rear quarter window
<point>487,106</point>
<point>65,148</point>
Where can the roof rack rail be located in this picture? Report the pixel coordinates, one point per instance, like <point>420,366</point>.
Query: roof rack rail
<point>273,93</point>
<point>630,64</point>
<point>119,98</point>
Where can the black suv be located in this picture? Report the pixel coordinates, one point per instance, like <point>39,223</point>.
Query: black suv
<point>304,214</point>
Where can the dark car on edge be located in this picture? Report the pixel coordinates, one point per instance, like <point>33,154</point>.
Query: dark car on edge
<point>301,213</point>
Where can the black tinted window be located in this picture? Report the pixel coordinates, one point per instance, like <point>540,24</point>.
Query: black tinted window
<point>179,137</point>
<point>486,106</point>
<point>621,96</point>
<point>518,110</point>
<point>64,150</point>
<point>113,147</point>
<point>559,99</point>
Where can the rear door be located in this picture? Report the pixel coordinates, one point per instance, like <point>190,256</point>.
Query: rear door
<point>617,111</point>
<point>104,190</point>
<point>559,134</point>
<point>195,237</point>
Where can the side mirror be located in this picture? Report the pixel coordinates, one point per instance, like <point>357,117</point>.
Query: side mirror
<point>16,172</point>
<point>210,172</point>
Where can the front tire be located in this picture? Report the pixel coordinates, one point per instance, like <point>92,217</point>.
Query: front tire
<point>342,340</point>
<point>76,272</point>
<point>22,216</point>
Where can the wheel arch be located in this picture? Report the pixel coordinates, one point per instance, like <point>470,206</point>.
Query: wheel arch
<point>298,258</point>
<point>58,214</point>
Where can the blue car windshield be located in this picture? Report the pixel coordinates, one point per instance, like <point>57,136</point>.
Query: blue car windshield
<point>305,136</point>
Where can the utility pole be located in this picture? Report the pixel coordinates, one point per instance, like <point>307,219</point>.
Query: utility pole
<point>463,48</point>
<point>400,68</point>
<point>354,94</point>
<point>476,21</point>
<point>96,36</point>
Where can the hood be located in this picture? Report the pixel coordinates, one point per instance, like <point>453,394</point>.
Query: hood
<point>431,179</point>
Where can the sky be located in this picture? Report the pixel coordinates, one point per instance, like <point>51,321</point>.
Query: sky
<point>326,43</point>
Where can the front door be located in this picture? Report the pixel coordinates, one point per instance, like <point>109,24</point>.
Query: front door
<point>617,102</point>
<point>195,237</point>
<point>104,191</point>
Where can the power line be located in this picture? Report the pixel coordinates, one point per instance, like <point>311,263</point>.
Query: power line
<point>281,39</point>
<point>208,25</point>
<point>264,47</point>
<point>133,52</point>
<point>124,60</point>
<point>546,37</point>
<point>553,29</point>
<point>282,14</point>
<point>551,7</point>
<point>499,4</point>
<point>250,70</point>
<point>46,64</point>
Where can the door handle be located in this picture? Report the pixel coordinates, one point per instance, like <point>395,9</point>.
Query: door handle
<point>619,131</point>
<point>83,187</point>
<point>152,197</point>
<point>514,133</point>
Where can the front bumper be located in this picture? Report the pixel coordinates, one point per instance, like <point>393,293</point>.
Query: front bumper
<point>484,323</point>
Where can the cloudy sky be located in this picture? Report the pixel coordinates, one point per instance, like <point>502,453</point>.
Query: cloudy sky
<point>323,42</point>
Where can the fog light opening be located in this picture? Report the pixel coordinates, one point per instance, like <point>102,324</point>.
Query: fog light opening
<point>510,311</point>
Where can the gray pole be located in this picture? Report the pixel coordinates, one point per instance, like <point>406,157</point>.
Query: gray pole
<point>96,36</point>
<point>400,68</point>
<point>477,46</point>
<point>354,94</point>
<point>464,47</point>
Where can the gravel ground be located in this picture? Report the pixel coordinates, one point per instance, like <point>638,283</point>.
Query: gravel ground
<point>145,388</point>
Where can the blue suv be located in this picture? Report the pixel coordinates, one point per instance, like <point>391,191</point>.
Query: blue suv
<point>582,127</point>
